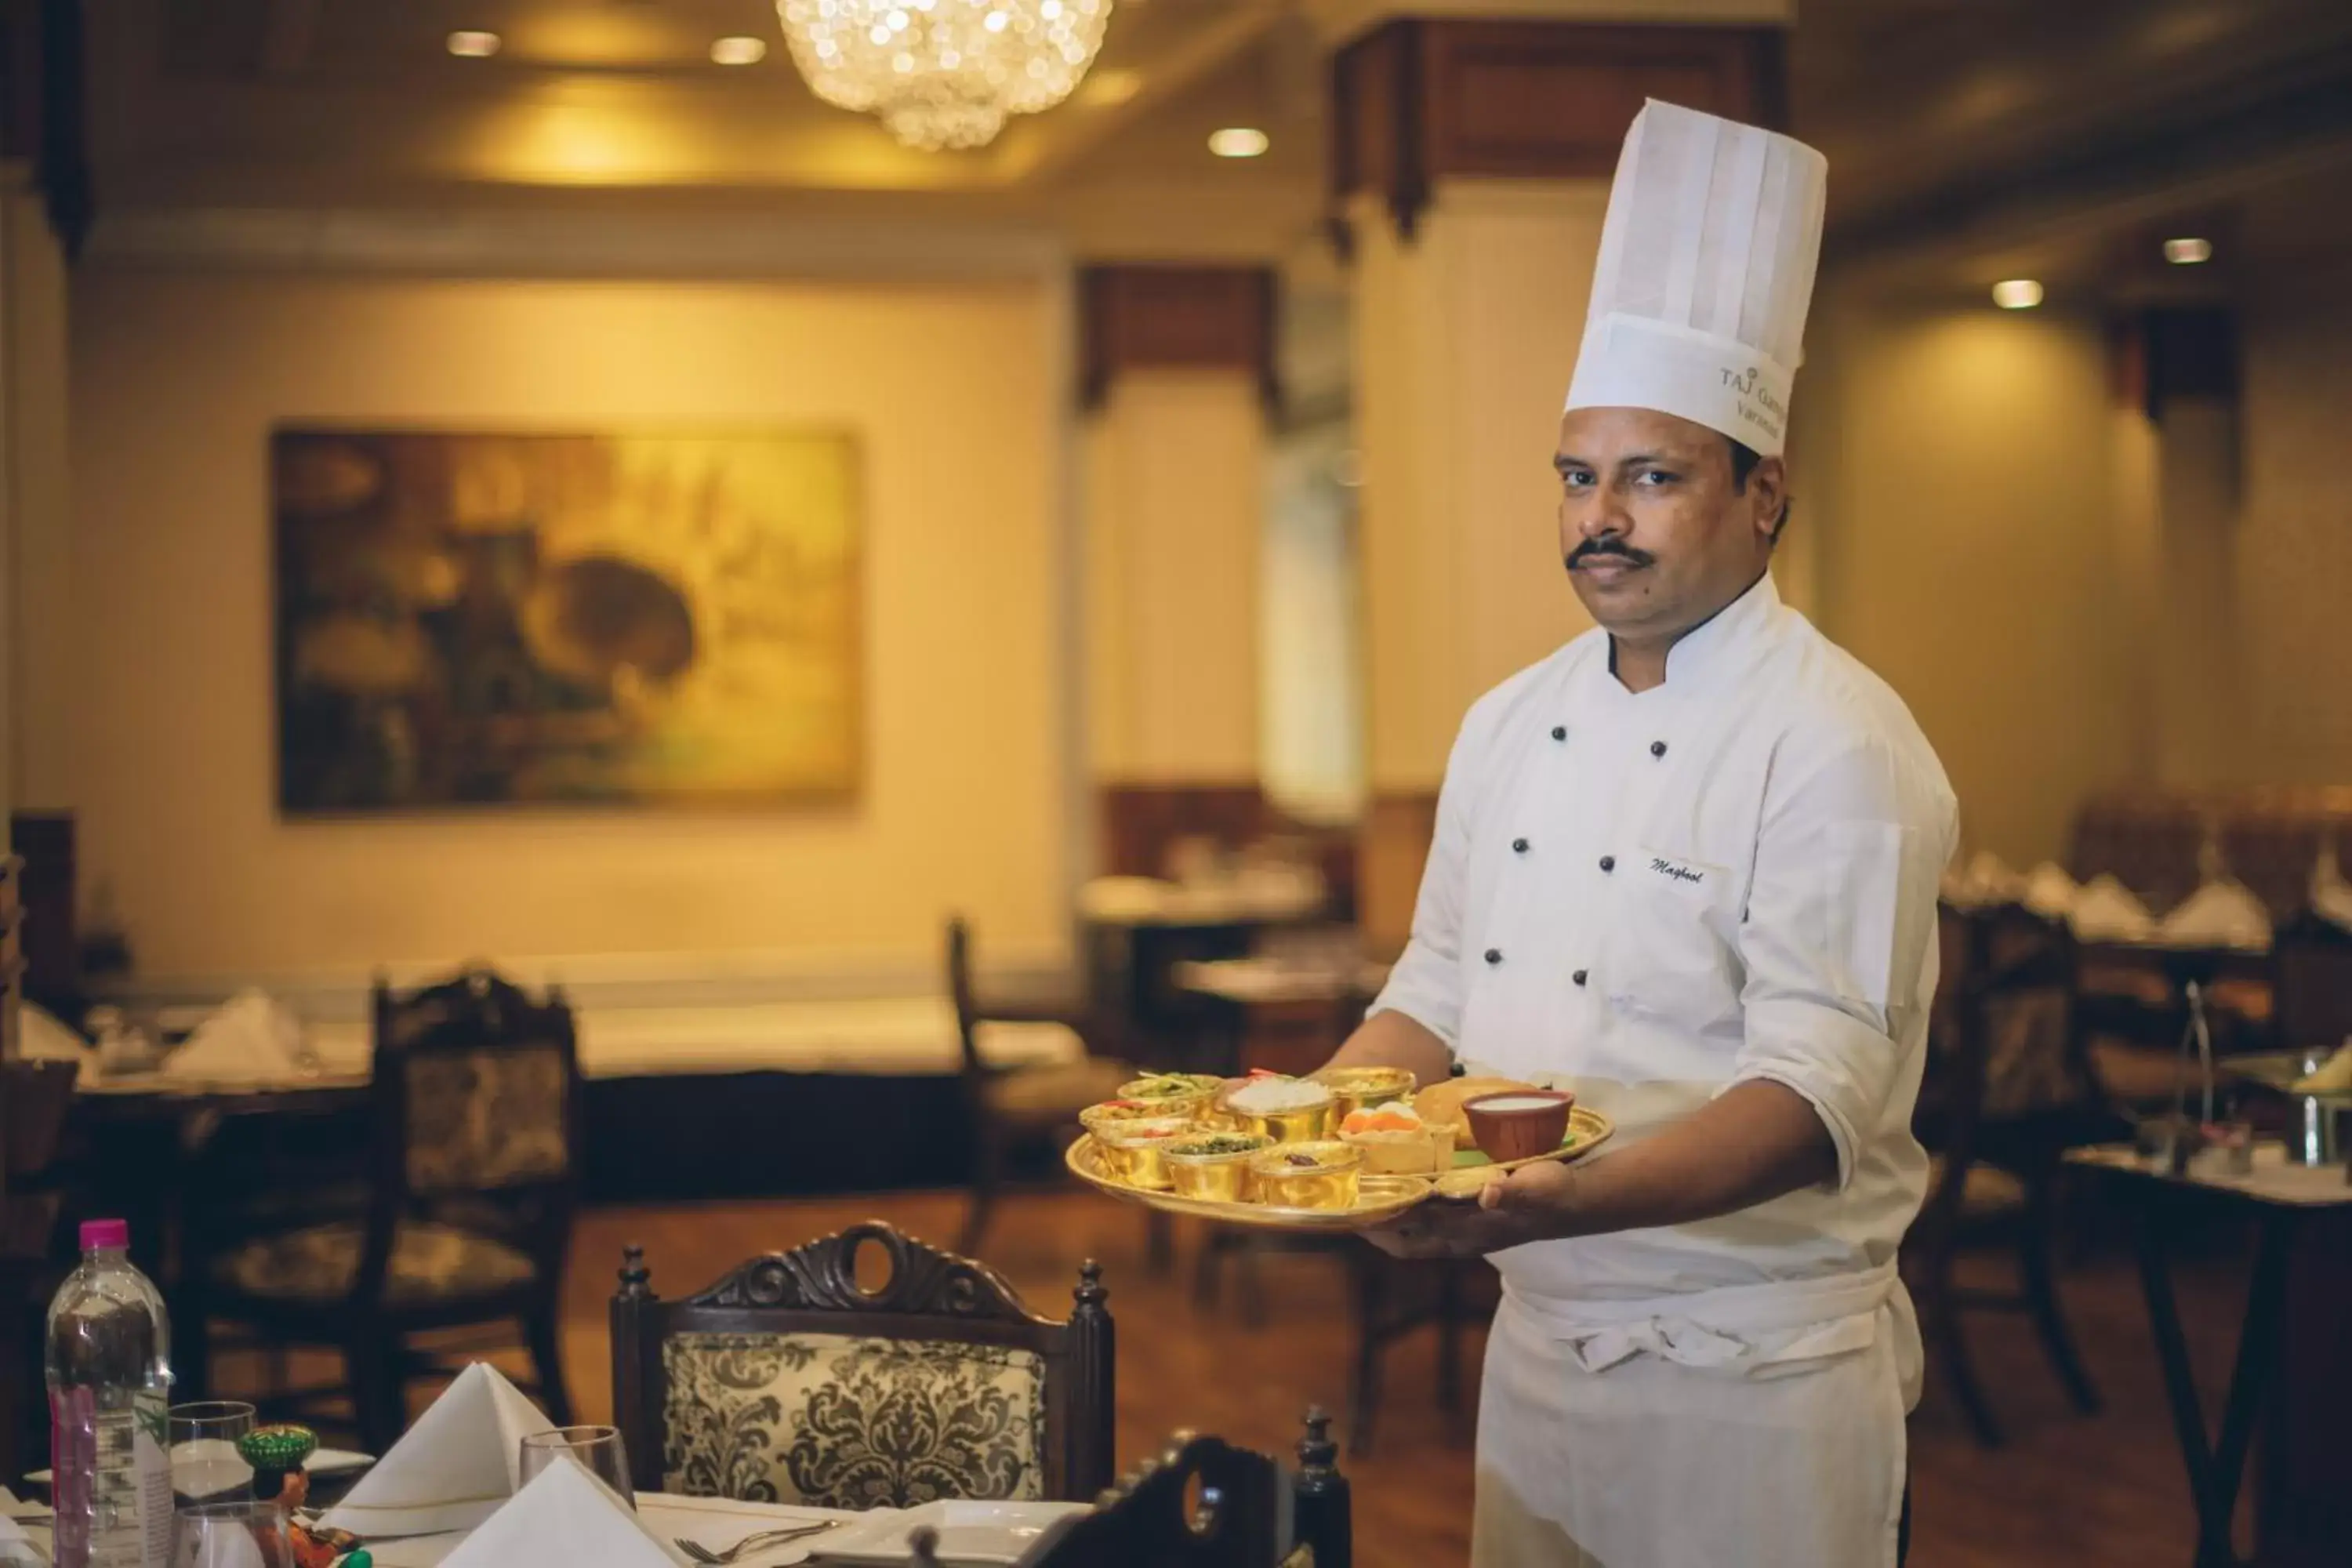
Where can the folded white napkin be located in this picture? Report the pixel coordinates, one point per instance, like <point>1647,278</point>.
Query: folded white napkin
<point>2223,913</point>
<point>453,1468</point>
<point>251,1039</point>
<point>2107,910</point>
<point>565,1518</point>
<point>42,1036</point>
<point>2049,892</point>
<point>2331,895</point>
<point>1984,881</point>
<point>17,1548</point>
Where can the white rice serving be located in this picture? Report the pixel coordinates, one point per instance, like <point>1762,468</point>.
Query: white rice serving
<point>1268,1096</point>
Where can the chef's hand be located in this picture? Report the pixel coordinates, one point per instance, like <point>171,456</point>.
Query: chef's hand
<point>1534,1203</point>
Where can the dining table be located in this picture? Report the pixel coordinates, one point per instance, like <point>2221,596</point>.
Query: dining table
<point>2292,1378</point>
<point>715,1525</point>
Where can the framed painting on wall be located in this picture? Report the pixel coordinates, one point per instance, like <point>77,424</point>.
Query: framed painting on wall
<point>623,619</point>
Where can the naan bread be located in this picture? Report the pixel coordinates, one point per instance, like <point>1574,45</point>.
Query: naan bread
<point>1441,1103</point>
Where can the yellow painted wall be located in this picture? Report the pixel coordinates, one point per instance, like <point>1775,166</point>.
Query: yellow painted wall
<point>1466,338</point>
<point>36,511</point>
<point>1960,466</point>
<point>2293,537</point>
<point>954,392</point>
<point>1175,498</point>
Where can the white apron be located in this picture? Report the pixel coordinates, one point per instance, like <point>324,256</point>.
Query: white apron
<point>1756,1426</point>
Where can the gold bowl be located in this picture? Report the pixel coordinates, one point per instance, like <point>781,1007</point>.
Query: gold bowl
<point>1132,1149</point>
<point>1177,1094</point>
<point>1095,1118</point>
<point>1302,1124</point>
<point>1214,1167</point>
<point>1358,1089</point>
<point>1325,1175</point>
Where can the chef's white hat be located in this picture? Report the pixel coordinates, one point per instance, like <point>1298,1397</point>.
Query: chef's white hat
<point>1706,272</point>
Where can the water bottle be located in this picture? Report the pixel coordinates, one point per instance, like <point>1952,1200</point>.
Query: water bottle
<point>110,1394</point>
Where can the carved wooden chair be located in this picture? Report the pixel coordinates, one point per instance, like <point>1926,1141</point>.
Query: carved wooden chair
<point>2009,1079</point>
<point>1204,1503</point>
<point>474,1170</point>
<point>790,1381</point>
<point>1008,1107</point>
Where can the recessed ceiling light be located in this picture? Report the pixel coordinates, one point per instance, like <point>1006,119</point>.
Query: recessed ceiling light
<point>1238,142</point>
<point>474,45</point>
<point>2187,252</point>
<point>738,51</point>
<point>2017,294</point>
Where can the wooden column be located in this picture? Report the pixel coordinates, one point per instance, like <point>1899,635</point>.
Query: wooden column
<point>1177,374</point>
<point>1469,176</point>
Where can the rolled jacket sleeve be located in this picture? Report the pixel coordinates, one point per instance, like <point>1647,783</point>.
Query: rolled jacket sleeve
<point>1425,984</point>
<point>1838,942</point>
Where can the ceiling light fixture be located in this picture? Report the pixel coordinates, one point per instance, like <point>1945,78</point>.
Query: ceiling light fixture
<point>943,73</point>
<point>738,51</point>
<point>2187,252</point>
<point>2017,294</point>
<point>1238,142</point>
<point>473,46</point>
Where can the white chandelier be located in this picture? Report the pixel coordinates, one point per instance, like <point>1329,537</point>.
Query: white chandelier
<point>943,73</point>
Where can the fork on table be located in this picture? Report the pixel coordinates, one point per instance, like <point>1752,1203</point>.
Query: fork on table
<point>760,1541</point>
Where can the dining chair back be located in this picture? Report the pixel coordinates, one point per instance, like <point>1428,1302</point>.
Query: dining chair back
<point>800,1377</point>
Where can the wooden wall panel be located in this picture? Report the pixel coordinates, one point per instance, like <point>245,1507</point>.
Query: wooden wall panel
<point>1419,101</point>
<point>1198,317</point>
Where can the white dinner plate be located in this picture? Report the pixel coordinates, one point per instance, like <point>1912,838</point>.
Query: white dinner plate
<point>321,1462</point>
<point>969,1532</point>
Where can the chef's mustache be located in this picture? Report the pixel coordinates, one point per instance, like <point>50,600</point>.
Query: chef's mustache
<point>1608,545</point>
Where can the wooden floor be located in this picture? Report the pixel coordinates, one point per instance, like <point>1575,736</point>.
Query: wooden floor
<point>2104,1491</point>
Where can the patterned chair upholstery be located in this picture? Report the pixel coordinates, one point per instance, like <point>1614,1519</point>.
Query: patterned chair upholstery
<point>842,1421</point>
<point>475,1164</point>
<point>788,1382</point>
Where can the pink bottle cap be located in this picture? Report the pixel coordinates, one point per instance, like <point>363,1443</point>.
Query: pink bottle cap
<point>108,1234</point>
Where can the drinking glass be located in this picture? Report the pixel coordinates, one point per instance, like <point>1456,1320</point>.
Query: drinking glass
<point>243,1534</point>
<point>205,1465</point>
<point>598,1448</point>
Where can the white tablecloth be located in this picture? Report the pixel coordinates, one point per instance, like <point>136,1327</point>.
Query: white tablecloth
<point>715,1522</point>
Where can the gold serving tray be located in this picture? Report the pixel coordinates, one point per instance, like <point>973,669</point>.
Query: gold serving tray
<point>1381,1198</point>
<point>1587,1130</point>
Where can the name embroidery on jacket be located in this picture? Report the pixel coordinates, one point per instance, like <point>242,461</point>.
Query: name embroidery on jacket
<point>1677,871</point>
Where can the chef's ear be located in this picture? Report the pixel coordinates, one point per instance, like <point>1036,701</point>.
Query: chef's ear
<point>1767,491</point>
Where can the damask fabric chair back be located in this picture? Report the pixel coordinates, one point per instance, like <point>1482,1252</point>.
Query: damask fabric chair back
<point>481,1086</point>
<point>2311,962</point>
<point>790,1381</point>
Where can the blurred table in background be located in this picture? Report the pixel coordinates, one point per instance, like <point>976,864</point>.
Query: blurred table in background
<point>1285,1012</point>
<point>1135,930</point>
<point>2293,1380</point>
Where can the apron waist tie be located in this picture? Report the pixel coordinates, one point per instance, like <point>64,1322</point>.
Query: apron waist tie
<point>1749,1328</point>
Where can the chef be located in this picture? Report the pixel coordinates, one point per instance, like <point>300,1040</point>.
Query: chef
<point>1686,868</point>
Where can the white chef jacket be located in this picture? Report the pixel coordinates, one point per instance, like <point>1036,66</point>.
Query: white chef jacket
<point>1647,898</point>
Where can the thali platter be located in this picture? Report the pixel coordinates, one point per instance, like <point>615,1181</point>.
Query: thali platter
<point>1379,1198</point>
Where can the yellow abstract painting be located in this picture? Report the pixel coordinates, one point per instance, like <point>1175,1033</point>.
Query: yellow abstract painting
<point>628,618</point>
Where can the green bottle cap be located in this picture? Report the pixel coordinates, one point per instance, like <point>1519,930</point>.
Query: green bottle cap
<point>362,1558</point>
